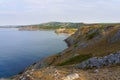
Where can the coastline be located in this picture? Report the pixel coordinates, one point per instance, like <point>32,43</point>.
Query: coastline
<point>64,65</point>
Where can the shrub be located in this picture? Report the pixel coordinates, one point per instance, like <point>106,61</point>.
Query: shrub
<point>74,60</point>
<point>76,45</point>
<point>92,35</point>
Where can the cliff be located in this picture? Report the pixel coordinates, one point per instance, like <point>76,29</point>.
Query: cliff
<point>90,41</point>
<point>93,54</point>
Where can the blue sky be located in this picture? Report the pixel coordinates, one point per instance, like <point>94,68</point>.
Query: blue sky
<point>20,12</point>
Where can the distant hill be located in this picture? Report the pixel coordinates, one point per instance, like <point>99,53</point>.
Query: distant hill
<point>57,25</point>
<point>62,24</point>
<point>51,25</point>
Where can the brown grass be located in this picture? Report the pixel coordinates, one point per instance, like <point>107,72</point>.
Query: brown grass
<point>98,49</point>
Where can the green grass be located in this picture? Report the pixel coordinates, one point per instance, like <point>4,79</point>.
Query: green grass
<point>92,35</point>
<point>76,45</point>
<point>74,60</point>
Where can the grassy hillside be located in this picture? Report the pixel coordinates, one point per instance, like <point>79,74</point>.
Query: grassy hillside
<point>88,42</point>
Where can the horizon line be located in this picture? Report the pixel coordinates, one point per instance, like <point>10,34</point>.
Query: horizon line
<point>11,25</point>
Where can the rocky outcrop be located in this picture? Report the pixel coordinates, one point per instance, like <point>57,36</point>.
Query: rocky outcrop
<point>93,34</point>
<point>116,37</point>
<point>49,73</point>
<point>100,62</point>
<point>86,35</point>
<point>55,73</point>
<point>71,76</point>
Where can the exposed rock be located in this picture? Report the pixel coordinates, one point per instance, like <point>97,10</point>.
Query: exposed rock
<point>40,64</point>
<point>99,62</point>
<point>82,45</point>
<point>96,71</point>
<point>116,37</point>
<point>71,76</point>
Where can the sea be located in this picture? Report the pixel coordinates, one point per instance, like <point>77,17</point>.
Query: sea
<point>20,49</point>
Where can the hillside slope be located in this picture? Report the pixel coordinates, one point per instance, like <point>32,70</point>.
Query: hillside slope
<point>90,41</point>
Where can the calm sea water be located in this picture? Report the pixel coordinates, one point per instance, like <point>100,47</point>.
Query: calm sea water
<point>19,49</point>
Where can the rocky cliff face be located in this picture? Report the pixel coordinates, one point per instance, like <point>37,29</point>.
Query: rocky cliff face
<point>100,62</point>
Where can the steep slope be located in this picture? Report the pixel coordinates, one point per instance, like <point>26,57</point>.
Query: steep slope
<point>90,41</point>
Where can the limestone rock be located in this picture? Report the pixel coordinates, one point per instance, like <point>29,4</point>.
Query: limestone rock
<point>99,62</point>
<point>71,76</point>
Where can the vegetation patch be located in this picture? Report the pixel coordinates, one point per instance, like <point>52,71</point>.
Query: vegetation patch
<point>92,35</point>
<point>76,45</point>
<point>76,59</point>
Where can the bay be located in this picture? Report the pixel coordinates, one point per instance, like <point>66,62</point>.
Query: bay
<point>20,49</point>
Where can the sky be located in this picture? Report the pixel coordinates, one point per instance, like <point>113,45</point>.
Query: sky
<point>24,12</point>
